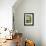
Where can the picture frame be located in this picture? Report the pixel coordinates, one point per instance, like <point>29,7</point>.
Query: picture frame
<point>28,19</point>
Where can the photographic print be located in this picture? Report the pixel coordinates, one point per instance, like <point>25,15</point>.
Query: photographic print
<point>28,19</point>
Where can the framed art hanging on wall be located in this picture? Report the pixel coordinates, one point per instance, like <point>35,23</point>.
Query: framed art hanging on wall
<point>28,19</point>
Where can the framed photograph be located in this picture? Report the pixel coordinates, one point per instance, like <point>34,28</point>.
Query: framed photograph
<point>28,19</point>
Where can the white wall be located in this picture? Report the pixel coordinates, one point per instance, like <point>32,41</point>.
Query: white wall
<point>31,32</point>
<point>43,22</point>
<point>6,13</point>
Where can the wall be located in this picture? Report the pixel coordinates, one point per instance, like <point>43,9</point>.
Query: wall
<point>29,32</point>
<point>43,22</point>
<point>6,13</point>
